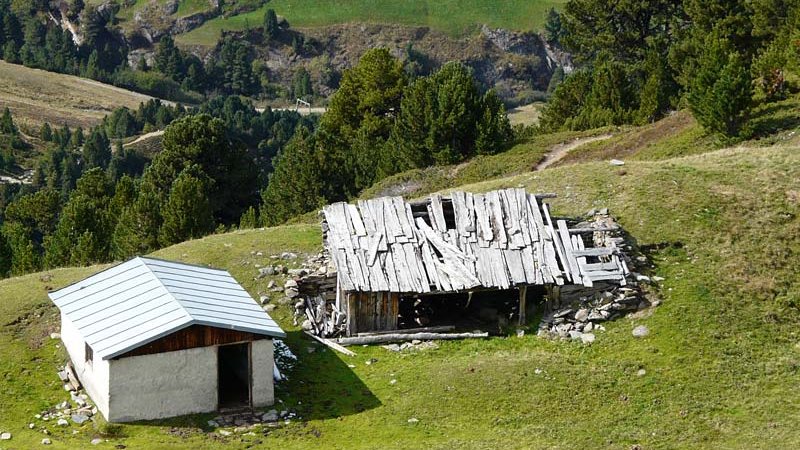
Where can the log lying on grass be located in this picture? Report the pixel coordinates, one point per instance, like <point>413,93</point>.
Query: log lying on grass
<point>403,337</point>
<point>436,329</point>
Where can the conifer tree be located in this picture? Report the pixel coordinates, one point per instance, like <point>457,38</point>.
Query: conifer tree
<point>137,230</point>
<point>46,132</point>
<point>271,27</point>
<point>7,125</point>
<point>248,219</point>
<point>187,212</point>
<point>97,149</point>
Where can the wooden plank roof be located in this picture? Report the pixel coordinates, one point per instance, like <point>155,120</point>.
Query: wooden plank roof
<point>462,241</point>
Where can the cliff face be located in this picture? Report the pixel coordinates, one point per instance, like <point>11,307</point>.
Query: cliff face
<point>515,64</point>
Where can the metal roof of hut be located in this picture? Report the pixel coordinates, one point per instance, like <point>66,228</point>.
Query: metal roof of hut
<point>461,241</point>
<point>144,299</point>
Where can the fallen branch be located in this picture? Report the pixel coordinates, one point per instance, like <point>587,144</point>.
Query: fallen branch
<point>400,337</point>
<point>436,329</point>
<point>331,344</point>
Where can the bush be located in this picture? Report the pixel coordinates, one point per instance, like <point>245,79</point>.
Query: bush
<point>155,84</point>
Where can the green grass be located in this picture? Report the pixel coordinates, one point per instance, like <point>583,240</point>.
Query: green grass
<point>722,359</point>
<point>455,17</point>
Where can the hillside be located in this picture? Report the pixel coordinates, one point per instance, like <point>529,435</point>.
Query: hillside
<point>721,227</point>
<point>37,96</point>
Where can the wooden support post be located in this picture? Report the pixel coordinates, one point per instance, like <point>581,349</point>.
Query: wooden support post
<point>523,292</point>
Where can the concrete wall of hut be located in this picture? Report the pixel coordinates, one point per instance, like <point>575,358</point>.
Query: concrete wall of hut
<point>176,383</point>
<point>94,375</point>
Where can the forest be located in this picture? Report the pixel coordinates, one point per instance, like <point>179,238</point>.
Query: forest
<point>224,164</point>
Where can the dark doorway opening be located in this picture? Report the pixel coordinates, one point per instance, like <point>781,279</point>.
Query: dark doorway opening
<point>487,310</point>
<point>233,369</point>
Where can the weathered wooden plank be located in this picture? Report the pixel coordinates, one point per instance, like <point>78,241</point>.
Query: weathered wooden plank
<point>327,342</point>
<point>496,219</point>
<point>355,219</point>
<point>387,262</point>
<point>549,241</point>
<point>402,337</point>
<point>516,269</point>
<point>596,251</point>
<point>437,214</point>
<point>591,267</point>
<point>485,233</point>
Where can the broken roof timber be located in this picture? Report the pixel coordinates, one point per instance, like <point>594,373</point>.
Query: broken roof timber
<point>456,242</point>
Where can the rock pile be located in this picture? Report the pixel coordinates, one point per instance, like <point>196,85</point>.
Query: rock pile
<point>415,345</point>
<point>244,421</point>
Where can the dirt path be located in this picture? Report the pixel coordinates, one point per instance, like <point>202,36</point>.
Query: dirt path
<point>559,151</point>
<point>145,137</point>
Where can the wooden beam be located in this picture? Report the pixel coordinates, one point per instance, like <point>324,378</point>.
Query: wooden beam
<point>523,292</point>
<point>436,329</point>
<point>387,338</point>
<point>331,344</point>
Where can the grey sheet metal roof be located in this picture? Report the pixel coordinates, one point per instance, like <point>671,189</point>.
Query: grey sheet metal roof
<point>144,299</point>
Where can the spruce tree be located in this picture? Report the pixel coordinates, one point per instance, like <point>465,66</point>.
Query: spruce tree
<point>24,257</point>
<point>97,149</point>
<point>249,219</point>
<point>5,256</point>
<point>7,125</point>
<point>46,133</point>
<point>137,229</point>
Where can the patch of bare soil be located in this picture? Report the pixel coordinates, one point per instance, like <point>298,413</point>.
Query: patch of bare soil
<point>559,151</point>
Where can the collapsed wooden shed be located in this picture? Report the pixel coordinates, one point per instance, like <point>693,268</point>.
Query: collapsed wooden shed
<point>387,249</point>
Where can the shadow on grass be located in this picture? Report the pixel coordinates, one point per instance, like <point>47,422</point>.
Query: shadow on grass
<point>774,118</point>
<point>320,386</point>
<point>322,382</point>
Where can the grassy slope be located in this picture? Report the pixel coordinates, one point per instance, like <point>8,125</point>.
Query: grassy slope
<point>722,359</point>
<point>451,16</point>
<point>37,96</point>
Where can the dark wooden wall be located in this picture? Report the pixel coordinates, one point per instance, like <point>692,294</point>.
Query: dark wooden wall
<point>193,337</point>
<point>372,311</point>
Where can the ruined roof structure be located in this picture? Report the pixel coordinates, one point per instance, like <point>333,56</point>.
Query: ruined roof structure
<point>462,241</point>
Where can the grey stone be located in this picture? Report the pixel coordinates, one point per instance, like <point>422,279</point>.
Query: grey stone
<point>288,255</point>
<point>264,299</point>
<point>79,418</point>
<point>596,315</point>
<point>266,271</point>
<point>270,416</point>
<point>270,307</point>
<point>213,424</point>
<point>641,373</point>
<point>413,420</point>
<point>55,336</point>
<point>562,313</point>
<point>271,284</point>
<point>96,441</point>
<point>582,315</point>
<point>298,272</point>
<point>62,423</point>
<point>641,331</point>
<point>588,327</point>
<point>290,284</point>
<point>291,292</point>
<point>392,347</point>
<point>46,441</point>
<point>617,162</point>
<point>5,436</point>
<point>657,278</point>
<point>587,338</point>
<point>575,334</point>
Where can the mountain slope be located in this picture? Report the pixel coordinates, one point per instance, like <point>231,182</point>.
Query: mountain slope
<point>37,96</point>
<point>721,361</point>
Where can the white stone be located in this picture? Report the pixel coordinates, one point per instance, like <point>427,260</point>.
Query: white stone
<point>31,426</point>
<point>55,336</point>
<point>413,420</point>
<point>45,441</point>
<point>393,382</point>
<point>225,432</point>
<point>62,423</point>
<point>96,441</point>
<point>574,334</point>
<point>5,436</point>
<point>640,331</point>
<point>582,315</point>
<point>641,373</point>
<point>657,278</point>
<point>617,162</point>
<point>587,338</point>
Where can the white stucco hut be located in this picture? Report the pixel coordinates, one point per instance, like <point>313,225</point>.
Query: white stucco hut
<point>151,339</point>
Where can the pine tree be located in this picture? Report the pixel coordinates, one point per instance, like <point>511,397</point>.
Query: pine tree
<point>248,219</point>
<point>11,53</point>
<point>137,230</point>
<point>187,212</point>
<point>271,26</point>
<point>721,93</point>
<point>5,255</point>
<point>97,149</point>
<point>494,129</point>
<point>295,187</point>
<point>46,133</point>
<point>24,257</point>
<point>7,123</point>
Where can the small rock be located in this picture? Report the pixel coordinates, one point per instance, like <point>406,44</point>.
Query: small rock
<point>520,333</point>
<point>640,331</point>
<point>46,441</point>
<point>31,426</point>
<point>291,292</point>
<point>271,284</point>
<point>62,423</point>
<point>596,315</point>
<point>264,299</point>
<point>270,307</point>
<point>587,338</point>
<point>658,279</point>
<point>297,272</point>
<point>55,336</point>
<point>393,381</point>
<point>588,327</point>
<point>266,271</point>
<point>582,315</point>
<point>371,361</point>
<point>5,436</point>
<point>225,432</point>
<point>392,347</point>
<point>641,373</point>
<point>270,416</point>
<point>96,441</point>
<point>213,424</point>
<point>288,255</point>
<point>413,420</point>
<point>79,418</point>
<point>643,278</point>
<point>617,162</point>
<point>574,334</point>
